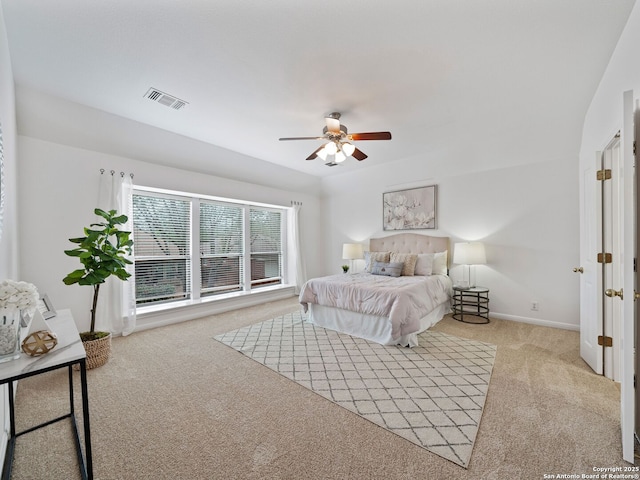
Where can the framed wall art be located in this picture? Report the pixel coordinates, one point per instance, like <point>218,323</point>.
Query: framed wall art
<point>46,307</point>
<point>410,209</point>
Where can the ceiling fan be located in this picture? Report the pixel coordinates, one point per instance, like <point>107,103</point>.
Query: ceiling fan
<point>338,147</point>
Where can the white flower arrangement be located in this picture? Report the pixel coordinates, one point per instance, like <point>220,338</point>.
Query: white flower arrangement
<point>21,296</point>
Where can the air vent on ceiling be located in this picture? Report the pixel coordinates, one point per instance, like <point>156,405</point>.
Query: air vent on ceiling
<point>165,99</point>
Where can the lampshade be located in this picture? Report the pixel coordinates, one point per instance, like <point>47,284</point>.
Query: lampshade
<point>352,251</point>
<point>340,157</point>
<point>348,149</point>
<point>331,148</point>
<point>469,253</point>
<point>322,153</point>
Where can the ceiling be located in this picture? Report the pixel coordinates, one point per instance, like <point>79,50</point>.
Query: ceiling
<point>256,70</point>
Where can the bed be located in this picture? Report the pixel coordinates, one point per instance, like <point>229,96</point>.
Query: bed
<point>385,309</point>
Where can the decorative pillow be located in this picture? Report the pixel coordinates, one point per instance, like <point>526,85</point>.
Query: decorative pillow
<point>424,265</point>
<point>409,260</point>
<point>392,269</point>
<point>439,263</point>
<point>370,257</point>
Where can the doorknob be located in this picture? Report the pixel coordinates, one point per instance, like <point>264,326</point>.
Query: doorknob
<point>636,295</point>
<point>610,292</point>
<point>578,270</point>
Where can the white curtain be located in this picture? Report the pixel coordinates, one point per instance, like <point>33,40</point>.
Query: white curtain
<point>298,259</point>
<point>116,311</point>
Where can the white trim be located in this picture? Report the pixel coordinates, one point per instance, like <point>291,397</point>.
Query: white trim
<point>535,321</point>
<point>191,310</point>
<point>179,194</point>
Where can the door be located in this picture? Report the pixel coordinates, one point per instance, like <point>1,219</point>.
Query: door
<point>590,300</point>
<point>592,284</point>
<point>611,263</point>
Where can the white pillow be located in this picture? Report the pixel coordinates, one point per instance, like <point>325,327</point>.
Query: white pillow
<point>439,263</point>
<point>424,265</point>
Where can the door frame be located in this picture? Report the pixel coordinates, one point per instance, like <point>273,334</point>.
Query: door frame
<point>627,367</point>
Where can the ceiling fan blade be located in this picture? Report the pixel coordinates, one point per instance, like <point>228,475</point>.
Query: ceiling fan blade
<point>359,155</point>
<point>301,138</point>
<point>371,136</point>
<point>315,154</point>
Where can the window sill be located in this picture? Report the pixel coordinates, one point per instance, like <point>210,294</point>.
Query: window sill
<point>169,313</point>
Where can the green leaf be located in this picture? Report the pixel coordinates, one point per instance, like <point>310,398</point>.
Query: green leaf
<point>76,274</point>
<point>70,281</point>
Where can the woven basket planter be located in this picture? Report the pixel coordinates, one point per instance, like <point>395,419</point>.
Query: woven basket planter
<point>98,351</point>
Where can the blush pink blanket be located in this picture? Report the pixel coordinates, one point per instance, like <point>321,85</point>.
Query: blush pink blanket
<point>404,300</point>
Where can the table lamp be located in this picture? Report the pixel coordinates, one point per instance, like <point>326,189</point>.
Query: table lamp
<point>352,251</point>
<point>469,253</point>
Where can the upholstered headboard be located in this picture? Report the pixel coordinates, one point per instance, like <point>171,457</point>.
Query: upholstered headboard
<point>410,243</point>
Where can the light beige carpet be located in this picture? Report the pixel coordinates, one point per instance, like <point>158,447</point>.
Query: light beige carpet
<point>432,395</point>
<point>174,404</point>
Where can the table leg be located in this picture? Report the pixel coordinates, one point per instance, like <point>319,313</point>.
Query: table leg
<point>85,416</point>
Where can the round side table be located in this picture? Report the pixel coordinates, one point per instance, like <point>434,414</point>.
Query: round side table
<point>471,305</point>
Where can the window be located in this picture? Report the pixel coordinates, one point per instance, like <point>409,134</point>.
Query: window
<point>162,248</point>
<point>221,249</point>
<point>240,246</point>
<point>266,247</point>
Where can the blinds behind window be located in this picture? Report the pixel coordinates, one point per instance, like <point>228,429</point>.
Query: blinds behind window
<point>221,245</point>
<point>162,238</point>
<point>266,247</point>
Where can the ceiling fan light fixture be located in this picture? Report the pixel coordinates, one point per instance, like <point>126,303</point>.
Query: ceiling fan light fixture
<point>348,149</point>
<point>331,148</point>
<point>339,157</point>
<point>322,153</point>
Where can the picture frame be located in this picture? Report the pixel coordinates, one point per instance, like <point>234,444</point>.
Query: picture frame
<point>46,307</point>
<point>410,209</point>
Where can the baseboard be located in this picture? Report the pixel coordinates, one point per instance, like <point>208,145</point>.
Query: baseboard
<point>535,321</point>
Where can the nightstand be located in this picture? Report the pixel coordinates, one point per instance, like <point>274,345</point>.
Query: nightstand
<point>471,305</point>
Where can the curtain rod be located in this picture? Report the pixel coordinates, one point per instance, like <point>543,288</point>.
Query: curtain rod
<point>102,170</point>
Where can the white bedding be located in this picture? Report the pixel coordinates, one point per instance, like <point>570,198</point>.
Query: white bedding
<point>400,305</point>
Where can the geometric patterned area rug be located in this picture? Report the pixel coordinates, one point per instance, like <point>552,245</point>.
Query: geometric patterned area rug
<point>431,395</point>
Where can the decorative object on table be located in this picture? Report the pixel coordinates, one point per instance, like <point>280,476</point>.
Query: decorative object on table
<point>469,253</point>
<point>46,307</point>
<point>351,252</point>
<point>345,268</point>
<point>40,342</point>
<point>410,209</point>
<point>18,301</point>
<point>102,253</point>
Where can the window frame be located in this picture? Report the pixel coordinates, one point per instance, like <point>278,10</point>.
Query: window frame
<point>195,254</point>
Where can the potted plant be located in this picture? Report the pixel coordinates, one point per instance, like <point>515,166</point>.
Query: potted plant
<point>102,254</point>
<point>345,268</point>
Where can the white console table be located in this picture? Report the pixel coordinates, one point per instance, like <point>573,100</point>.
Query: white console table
<point>68,352</point>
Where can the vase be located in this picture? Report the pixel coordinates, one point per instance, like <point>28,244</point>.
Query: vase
<point>98,351</point>
<point>9,334</point>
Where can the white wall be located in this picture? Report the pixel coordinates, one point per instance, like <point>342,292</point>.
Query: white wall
<point>58,192</point>
<point>604,117</point>
<point>9,240</point>
<point>518,196</point>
